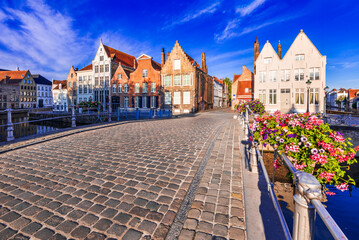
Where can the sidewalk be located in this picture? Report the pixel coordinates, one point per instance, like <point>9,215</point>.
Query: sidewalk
<point>217,211</point>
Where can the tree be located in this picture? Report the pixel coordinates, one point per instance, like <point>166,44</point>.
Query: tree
<point>229,84</point>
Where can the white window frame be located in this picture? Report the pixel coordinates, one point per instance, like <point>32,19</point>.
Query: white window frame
<point>137,102</point>
<point>187,97</point>
<point>262,95</point>
<point>177,80</point>
<point>120,88</point>
<point>153,87</point>
<point>153,101</point>
<point>144,73</point>
<point>177,98</point>
<point>272,96</point>
<point>299,92</point>
<point>299,57</point>
<point>186,79</point>
<point>126,102</point>
<point>168,98</point>
<point>114,88</point>
<point>119,77</point>
<point>144,102</point>
<point>168,81</point>
<point>268,60</point>
<point>126,88</point>
<point>176,64</point>
<point>137,88</point>
<point>262,77</point>
<point>144,87</point>
<point>312,93</point>
<point>273,76</point>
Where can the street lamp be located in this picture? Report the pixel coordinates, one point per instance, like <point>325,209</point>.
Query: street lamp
<point>308,82</point>
<point>326,99</point>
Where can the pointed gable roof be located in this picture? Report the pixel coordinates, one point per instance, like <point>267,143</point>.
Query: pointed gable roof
<point>120,57</point>
<point>236,77</point>
<point>88,67</point>
<point>268,46</point>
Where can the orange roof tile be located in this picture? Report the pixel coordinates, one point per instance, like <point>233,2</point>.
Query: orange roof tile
<point>353,93</point>
<point>12,74</point>
<point>88,67</point>
<point>63,83</point>
<point>120,57</point>
<point>236,77</point>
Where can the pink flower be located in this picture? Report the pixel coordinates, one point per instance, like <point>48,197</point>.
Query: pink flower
<point>328,176</point>
<point>330,193</point>
<point>276,164</point>
<point>342,187</point>
<point>299,166</point>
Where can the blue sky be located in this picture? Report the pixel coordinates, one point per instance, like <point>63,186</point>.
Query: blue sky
<point>48,37</point>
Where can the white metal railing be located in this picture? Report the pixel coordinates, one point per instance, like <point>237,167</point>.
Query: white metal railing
<point>307,197</point>
<point>341,120</point>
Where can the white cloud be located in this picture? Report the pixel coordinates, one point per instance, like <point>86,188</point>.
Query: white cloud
<point>227,55</point>
<point>42,41</point>
<point>247,10</point>
<point>208,10</point>
<point>228,31</point>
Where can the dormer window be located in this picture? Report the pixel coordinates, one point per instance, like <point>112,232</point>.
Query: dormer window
<point>268,60</point>
<point>299,57</point>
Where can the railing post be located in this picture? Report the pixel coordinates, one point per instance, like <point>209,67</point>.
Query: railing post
<point>253,161</point>
<point>246,126</point>
<point>9,129</point>
<point>137,113</point>
<point>73,117</point>
<point>308,188</point>
<point>109,112</point>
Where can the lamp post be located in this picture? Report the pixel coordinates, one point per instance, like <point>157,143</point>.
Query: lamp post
<point>308,82</point>
<point>326,99</point>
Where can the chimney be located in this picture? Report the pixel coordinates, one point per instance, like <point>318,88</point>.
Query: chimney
<point>163,58</point>
<point>256,53</point>
<point>17,69</point>
<point>279,50</point>
<point>204,66</point>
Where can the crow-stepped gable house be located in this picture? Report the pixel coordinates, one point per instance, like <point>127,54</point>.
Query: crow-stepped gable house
<point>242,87</point>
<point>282,83</point>
<point>187,87</point>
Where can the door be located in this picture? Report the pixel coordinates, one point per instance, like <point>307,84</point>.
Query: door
<point>285,103</point>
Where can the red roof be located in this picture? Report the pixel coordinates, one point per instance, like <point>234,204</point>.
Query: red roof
<point>63,83</point>
<point>120,57</point>
<point>88,67</point>
<point>12,74</point>
<point>156,65</point>
<point>236,77</point>
<point>353,93</point>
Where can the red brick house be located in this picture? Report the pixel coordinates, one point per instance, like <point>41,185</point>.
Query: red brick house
<point>120,82</point>
<point>242,87</point>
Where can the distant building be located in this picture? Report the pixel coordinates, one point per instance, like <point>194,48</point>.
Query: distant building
<point>242,87</point>
<point>72,85</point>
<point>93,81</point>
<point>217,93</point>
<point>17,89</point>
<point>187,87</point>
<point>353,96</point>
<point>280,83</point>
<point>60,95</point>
<point>120,82</point>
<point>43,91</point>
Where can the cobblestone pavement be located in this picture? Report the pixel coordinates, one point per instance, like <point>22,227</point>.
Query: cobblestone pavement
<point>121,182</point>
<point>217,210</point>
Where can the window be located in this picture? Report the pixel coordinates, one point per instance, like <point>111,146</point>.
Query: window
<point>299,57</point>
<point>137,87</point>
<point>101,68</point>
<point>101,81</point>
<point>144,102</point>
<point>299,74</point>
<point>314,73</point>
<point>167,97</point>
<point>114,88</point>
<point>153,87</point>
<point>177,80</point>
<point>262,96</point>
<point>85,99</point>
<point>168,81</point>
<point>267,60</point>
<point>85,89</point>
<point>90,88</point>
<point>144,73</point>
<point>120,88</point>
<point>119,76</point>
<point>126,87</point>
<point>272,96</point>
<point>285,75</point>
<point>107,81</point>
<point>96,81</point>
<point>80,78</point>
<point>85,78</point>
<point>186,97</point>
<point>144,87</point>
<point>262,77</point>
<point>72,75</point>
<point>246,90</point>
<point>101,58</point>
<point>107,69</point>
<point>137,102</point>
<point>314,96</point>
<point>273,77</point>
<point>299,96</point>
<point>126,101</point>
<point>176,64</point>
<point>186,80</point>
<point>153,102</point>
<point>96,69</point>
<point>90,78</point>
<point>177,98</point>
<point>69,84</point>
<point>80,88</point>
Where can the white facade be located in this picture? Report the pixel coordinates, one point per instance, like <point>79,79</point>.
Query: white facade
<point>44,95</point>
<point>84,86</point>
<point>217,94</point>
<point>281,83</point>
<point>60,97</point>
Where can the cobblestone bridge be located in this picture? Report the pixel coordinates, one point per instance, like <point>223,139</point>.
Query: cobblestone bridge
<point>164,179</point>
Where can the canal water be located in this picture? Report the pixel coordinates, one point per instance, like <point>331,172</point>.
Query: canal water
<point>342,207</point>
